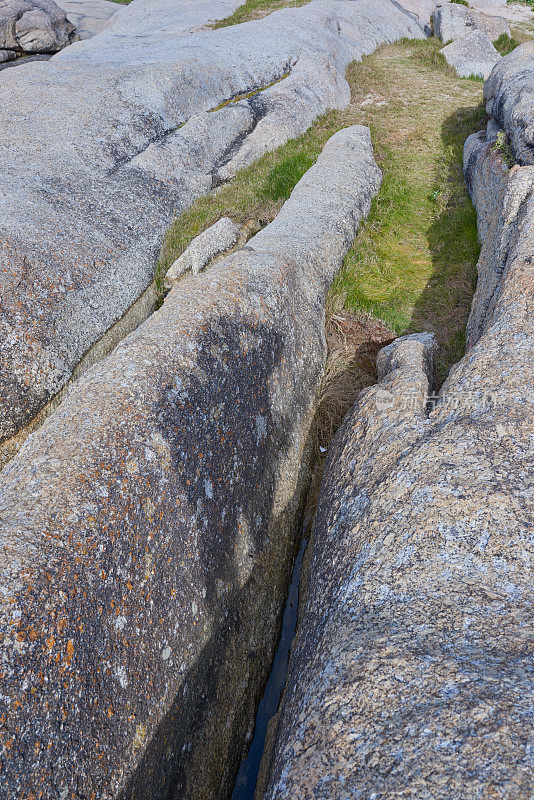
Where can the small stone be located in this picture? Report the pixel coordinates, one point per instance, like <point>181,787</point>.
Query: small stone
<point>216,239</point>
<point>33,26</point>
<point>474,54</point>
<point>453,21</point>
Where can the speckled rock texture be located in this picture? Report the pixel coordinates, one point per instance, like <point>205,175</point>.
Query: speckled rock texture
<point>453,21</point>
<point>515,13</point>
<point>147,528</point>
<point>33,26</point>
<point>88,16</point>
<point>509,96</point>
<point>218,238</point>
<point>412,673</point>
<point>473,54</point>
<point>105,143</point>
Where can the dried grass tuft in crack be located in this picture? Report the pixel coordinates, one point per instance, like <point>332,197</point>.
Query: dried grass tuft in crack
<point>354,339</point>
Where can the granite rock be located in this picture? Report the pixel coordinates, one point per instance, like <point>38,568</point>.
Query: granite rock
<point>88,16</point>
<point>411,675</point>
<point>216,239</point>
<point>103,145</point>
<point>148,527</point>
<point>473,54</point>
<point>33,26</point>
<point>453,21</point>
<point>509,96</point>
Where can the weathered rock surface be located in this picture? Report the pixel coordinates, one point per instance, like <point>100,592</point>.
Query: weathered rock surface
<point>33,26</point>
<point>214,240</point>
<point>453,21</point>
<point>509,96</point>
<point>105,143</point>
<point>412,672</point>
<point>88,16</point>
<point>147,528</point>
<point>473,54</point>
<point>513,12</point>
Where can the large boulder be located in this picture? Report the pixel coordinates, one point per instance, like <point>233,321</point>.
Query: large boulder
<point>33,26</point>
<point>412,674</point>
<point>473,54</point>
<point>454,21</point>
<point>509,96</point>
<point>148,527</point>
<point>102,146</point>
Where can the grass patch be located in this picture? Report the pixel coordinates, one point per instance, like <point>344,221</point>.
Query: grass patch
<point>255,9</point>
<point>505,44</point>
<point>282,179</point>
<point>529,3</point>
<point>412,266</point>
<point>523,32</point>
<point>257,192</point>
<point>428,54</point>
<point>460,2</point>
<point>502,147</point>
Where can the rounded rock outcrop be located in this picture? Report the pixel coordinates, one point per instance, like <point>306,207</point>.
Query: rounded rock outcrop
<point>32,26</point>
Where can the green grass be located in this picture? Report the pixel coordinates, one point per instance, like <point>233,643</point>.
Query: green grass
<point>413,263</point>
<point>254,9</point>
<point>505,44</point>
<point>529,3</point>
<point>460,2</point>
<point>257,192</point>
<point>282,179</point>
<point>413,266</point>
<point>502,146</point>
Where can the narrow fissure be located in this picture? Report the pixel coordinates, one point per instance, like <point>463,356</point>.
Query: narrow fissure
<point>422,215</point>
<point>159,138</point>
<point>245,785</point>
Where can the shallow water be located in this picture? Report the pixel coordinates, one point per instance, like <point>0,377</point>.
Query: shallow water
<point>247,777</point>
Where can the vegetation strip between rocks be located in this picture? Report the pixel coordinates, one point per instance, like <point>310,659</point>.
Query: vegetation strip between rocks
<point>412,267</point>
<point>255,9</point>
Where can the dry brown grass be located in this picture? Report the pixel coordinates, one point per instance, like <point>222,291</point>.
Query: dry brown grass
<point>354,339</point>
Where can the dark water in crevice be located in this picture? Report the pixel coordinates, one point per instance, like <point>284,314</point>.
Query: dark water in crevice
<point>247,777</point>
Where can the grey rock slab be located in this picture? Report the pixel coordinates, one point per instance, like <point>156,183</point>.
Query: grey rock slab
<point>216,239</point>
<point>33,26</point>
<point>509,96</point>
<point>504,199</point>
<point>88,16</point>
<point>148,527</point>
<point>515,13</point>
<point>453,21</point>
<point>422,9</point>
<point>102,146</point>
<point>473,54</point>
<point>411,674</point>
